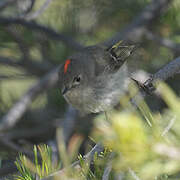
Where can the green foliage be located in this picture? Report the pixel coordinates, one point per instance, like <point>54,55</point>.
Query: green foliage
<point>132,146</point>
<point>25,173</point>
<point>41,168</point>
<point>148,150</point>
<point>94,171</point>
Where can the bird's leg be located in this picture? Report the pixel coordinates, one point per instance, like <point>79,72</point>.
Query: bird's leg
<point>147,86</point>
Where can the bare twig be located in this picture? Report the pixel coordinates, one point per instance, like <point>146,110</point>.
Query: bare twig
<point>17,37</point>
<point>33,67</point>
<point>6,3</point>
<point>168,71</point>
<point>8,61</point>
<point>47,30</point>
<point>9,169</point>
<point>98,148</point>
<point>37,13</point>
<point>107,171</point>
<point>136,29</point>
<point>14,147</point>
<point>7,143</point>
<point>169,126</point>
<point>163,41</point>
<point>28,133</point>
<point>12,77</point>
<point>25,6</point>
<point>16,112</point>
<point>133,174</point>
<point>108,168</point>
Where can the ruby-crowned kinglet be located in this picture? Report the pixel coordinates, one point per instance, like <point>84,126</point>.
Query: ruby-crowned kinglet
<point>94,79</point>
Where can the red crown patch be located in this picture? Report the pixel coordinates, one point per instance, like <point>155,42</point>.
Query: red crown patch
<point>67,62</point>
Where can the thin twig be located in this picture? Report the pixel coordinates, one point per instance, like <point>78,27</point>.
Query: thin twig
<point>47,30</point>
<point>98,148</point>
<point>168,71</point>
<point>8,169</point>
<point>16,112</point>
<point>133,174</point>
<point>14,147</point>
<point>26,7</point>
<point>163,41</point>
<point>107,171</point>
<point>12,77</point>
<point>31,66</point>
<point>39,131</point>
<point>108,168</point>
<point>135,30</point>
<point>169,126</point>
<point>18,38</point>
<point>4,4</point>
<point>37,13</point>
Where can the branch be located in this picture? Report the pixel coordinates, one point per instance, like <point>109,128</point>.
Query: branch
<point>18,38</point>
<point>107,171</point>
<point>29,133</point>
<point>108,167</point>
<point>19,108</point>
<point>8,169</point>
<point>13,77</point>
<point>133,174</point>
<point>47,30</point>
<point>26,6</point>
<point>88,158</point>
<point>35,14</point>
<point>168,71</point>
<point>31,66</point>
<point>136,29</point>
<point>14,147</point>
<point>6,3</point>
<point>147,88</point>
<point>163,41</point>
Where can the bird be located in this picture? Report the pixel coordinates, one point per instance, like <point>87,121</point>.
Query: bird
<point>94,79</point>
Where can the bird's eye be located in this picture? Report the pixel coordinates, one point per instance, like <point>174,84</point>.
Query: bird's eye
<point>77,79</point>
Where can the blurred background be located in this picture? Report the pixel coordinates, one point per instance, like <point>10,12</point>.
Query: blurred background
<point>38,35</point>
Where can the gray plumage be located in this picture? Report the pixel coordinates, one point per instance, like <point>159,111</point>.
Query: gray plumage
<point>94,79</point>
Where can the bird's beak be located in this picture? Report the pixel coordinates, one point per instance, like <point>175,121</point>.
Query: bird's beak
<point>64,90</point>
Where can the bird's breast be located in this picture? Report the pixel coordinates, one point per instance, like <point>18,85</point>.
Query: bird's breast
<point>103,94</point>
